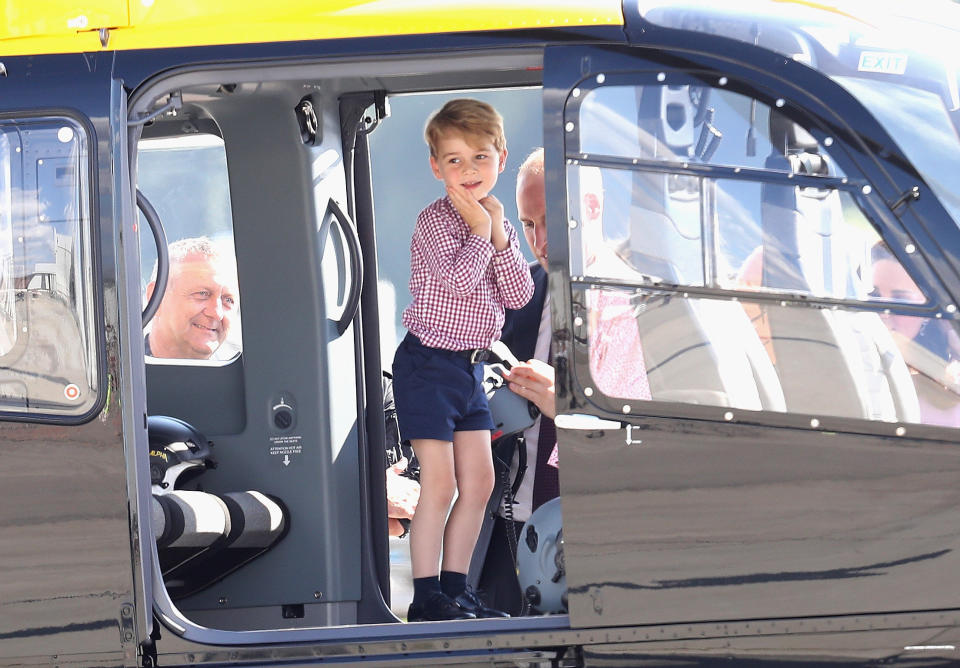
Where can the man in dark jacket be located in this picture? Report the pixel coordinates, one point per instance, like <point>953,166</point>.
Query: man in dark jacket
<point>527,333</point>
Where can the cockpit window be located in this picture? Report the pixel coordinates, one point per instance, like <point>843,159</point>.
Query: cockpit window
<point>703,223</point>
<point>48,334</point>
<point>899,61</point>
<point>923,127</point>
<point>8,311</point>
<point>656,148</point>
<point>675,123</point>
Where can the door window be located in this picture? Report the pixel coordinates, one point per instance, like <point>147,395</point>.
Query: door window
<point>678,184</point>
<point>185,179</point>
<point>49,350</point>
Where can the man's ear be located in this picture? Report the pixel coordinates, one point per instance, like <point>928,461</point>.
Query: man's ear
<point>503,160</point>
<point>436,168</point>
<point>151,286</point>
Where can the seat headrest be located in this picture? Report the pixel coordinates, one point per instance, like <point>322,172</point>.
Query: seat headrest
<point>788,137</point>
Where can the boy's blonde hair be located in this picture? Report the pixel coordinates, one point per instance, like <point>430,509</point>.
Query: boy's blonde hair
<point>470,117</point>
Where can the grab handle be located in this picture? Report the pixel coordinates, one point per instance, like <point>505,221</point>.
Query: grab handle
<point>356,263</point>
<point>163,256</point>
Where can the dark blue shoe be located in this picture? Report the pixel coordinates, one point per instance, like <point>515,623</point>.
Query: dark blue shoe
<point>437,607</point>
<point>470,602</point>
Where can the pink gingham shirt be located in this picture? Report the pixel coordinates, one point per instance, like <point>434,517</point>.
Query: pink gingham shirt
<point>460,284</point>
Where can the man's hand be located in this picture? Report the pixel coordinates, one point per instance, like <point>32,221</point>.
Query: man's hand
<point>533,380</point>
<point>402,496</point>
<point>475,215</point>
<point>498,235</point>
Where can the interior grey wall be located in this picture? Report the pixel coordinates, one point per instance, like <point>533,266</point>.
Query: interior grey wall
<point>403,183</point>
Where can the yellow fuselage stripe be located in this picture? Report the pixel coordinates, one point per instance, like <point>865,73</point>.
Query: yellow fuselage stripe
<point>55,26</point>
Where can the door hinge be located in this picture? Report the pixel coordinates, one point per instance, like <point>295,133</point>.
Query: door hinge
<point>127,631</point>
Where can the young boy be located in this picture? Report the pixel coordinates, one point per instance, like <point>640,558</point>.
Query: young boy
<point>465,268</point>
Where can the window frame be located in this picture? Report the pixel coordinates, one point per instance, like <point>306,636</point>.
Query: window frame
<point>802,94</point>
<point>859,188</point>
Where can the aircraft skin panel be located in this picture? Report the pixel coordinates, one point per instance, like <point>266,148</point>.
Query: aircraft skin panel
<point>65,557</point>
<point>57,27</point>
<point>694,525</point>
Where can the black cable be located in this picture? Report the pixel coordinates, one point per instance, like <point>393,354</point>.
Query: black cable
<point>509,491</point>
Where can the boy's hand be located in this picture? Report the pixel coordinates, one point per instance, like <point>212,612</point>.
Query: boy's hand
<point>474,214</point>
<point>498,235</point>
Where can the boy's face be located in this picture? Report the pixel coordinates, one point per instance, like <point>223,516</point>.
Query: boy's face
<point>471,162</point>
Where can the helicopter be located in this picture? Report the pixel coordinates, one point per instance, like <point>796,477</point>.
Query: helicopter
<point>769,186</point>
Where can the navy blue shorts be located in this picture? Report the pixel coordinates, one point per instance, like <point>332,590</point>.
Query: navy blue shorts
<point>437,392</point>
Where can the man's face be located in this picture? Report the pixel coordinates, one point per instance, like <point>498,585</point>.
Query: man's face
<point>532,211</point>
<point>194,317</point>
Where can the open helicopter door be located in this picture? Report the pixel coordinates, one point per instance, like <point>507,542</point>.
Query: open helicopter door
<point>67,580</point>
<point>719,496</point>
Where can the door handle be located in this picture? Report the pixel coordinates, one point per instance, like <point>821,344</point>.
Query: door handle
<point>356,263</point>
<point>592,423</point>
<point>585,422</point>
